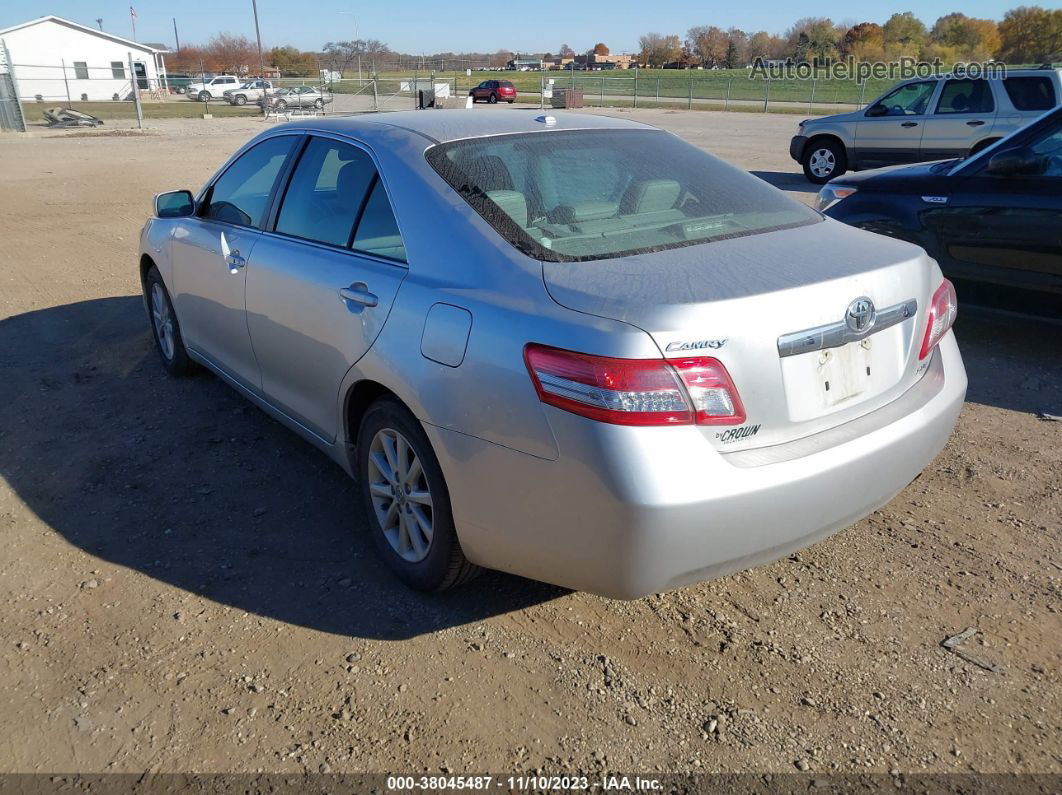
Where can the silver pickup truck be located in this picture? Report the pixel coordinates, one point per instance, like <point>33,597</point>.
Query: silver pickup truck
<point>251,91</point>
<point>925,119</point>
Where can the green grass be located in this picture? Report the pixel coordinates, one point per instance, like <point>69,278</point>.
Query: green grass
<point>179,109</point>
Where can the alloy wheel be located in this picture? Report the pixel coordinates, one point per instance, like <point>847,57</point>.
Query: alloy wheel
<point>163,320</point>
<point>822,162</point>
<point>401,497</point>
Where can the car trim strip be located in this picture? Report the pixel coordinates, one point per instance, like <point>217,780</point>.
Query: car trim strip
<point>834,335</point>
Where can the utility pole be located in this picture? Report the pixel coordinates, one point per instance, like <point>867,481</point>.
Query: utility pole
<point>175,36</point>
<point>99,22</point>
<point>258,36</point>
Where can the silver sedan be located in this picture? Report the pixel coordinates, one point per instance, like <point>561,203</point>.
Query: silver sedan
<point>575,349</point>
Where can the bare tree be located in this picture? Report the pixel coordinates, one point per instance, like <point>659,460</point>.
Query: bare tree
<point>228,52</point>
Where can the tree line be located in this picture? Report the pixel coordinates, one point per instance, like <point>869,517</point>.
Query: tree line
<point>1027,34</point>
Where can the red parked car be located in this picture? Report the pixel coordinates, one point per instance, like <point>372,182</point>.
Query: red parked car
<point>494,91</point>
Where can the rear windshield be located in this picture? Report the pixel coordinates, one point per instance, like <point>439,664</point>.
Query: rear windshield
<point>505,84</point>
<point>568,196</point>
<point>1031,92</point>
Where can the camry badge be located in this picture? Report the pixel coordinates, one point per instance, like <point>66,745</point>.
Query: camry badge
<point>860,315</point>
<point>698,345</point>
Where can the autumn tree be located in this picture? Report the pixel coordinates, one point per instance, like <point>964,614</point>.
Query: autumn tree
<point>657,50</point>
<point>905,34</point>
<point>708,43</point>
<point>227,52</point>
<point>966,38</point>
<point>813,39</point>
<point>291,62</point>
<point>600,49</point>
<point>1031,34</point>
<point>863,42</point>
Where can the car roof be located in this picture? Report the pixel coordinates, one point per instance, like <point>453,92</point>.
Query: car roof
<point>440,126</point>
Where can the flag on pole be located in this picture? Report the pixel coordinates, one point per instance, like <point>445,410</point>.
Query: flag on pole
<point>132,13</point>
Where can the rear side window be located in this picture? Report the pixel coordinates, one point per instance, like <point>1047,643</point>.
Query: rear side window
<point>326,192</point>
<point>378,230</point>
<point>1033,92</point>
<point>966,96</point>
<point>241,194</point>
<point>569,196</point>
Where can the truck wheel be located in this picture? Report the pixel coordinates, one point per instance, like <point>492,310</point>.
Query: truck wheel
<point>823,160</point>
<point>204,96</point>
<point>241,99</point>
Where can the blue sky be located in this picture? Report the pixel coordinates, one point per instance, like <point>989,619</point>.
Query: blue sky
<point>427,26</point>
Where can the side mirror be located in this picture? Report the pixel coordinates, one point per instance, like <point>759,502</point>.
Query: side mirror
<point>876,110</point>
<point>1017,162</point>
<point>175,204</point>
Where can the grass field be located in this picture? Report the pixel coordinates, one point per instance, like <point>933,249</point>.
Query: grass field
<point>667,84</point>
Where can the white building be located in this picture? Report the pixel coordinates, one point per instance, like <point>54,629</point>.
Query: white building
<point>56,60</point>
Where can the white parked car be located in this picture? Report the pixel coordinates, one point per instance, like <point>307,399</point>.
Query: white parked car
<point>251,91</point>
<point>211,87</point>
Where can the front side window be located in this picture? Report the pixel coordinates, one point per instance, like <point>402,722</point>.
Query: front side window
<point>966,96</point>
<point>118,70</point>
<point>568,196</point>
<point>241,195</point>
<point>81,70</point>
<point>907,100</point>
<point>1032,92</point>
<point>326,192</point>
<point>1049,144</point>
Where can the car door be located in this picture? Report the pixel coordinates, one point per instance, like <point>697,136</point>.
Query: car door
<point>210,252</point>
<point>891,129</point>
<point>1006,229</point>
<point>964,113</point>
<point>323,280</point>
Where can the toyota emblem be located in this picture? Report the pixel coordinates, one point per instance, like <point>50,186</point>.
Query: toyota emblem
<point>860,315</point>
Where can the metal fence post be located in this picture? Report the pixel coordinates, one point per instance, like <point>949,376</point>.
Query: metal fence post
<point>66,82</point>
<point>767,96</point>
<point>375,96</point>
<point>726,102</point>
<point>812,100</point>
<point>136,94</point>
<point>862,92</point>
<point>601,100</point>
<point>636,86</point>
<point>658,91</point>
<point>690,103</point>
<point>11,113</point>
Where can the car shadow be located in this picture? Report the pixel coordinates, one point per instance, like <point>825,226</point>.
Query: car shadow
<point>187,482</point>
<point>792,181</point>
<point>1012,361</point>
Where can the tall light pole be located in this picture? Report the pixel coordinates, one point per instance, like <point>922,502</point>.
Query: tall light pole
<point>258,36</point>
<point>99,21</point>
<point>175,36</point>
<point>357,41</point>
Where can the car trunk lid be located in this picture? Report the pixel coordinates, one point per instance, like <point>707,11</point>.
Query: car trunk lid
<point>787,312</point>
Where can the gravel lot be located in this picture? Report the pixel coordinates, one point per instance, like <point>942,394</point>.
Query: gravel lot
<point>187,586</point>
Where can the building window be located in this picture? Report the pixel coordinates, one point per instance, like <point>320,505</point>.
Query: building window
<point>80,70</point>
<point>118,70</point>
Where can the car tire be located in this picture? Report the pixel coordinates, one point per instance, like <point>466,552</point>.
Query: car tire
<point>203,96</point>
<point>391,438</point>
<point>493,99</point>
<point>980,147</point>
<point>165,329</point>
<point>240,100</point>
<point>823,160</point>
<point>511,101</point>
<point>281,105</point>
<point>318,103</point>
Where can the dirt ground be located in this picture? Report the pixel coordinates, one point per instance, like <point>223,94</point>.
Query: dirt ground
<point>186,586</point>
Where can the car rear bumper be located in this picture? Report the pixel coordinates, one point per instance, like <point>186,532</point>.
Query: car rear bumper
<point>624,512</point>
<point>796,147</point>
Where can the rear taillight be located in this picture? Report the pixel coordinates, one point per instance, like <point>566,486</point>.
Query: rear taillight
<point>635,391</point>
<point>943,309</point>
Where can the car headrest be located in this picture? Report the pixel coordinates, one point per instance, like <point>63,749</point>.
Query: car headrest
<point>353,178</point>
<point>960,103</point>
<point>512,203</point>
<point>651,195</point>
<point>489,172</point>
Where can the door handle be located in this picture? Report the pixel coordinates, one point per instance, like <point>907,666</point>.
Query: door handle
<point>358,293</point>
<point>976,123</point>
<point>909,124</point>
<point>235,261</point>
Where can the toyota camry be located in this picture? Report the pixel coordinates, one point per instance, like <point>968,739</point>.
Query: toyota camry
<point>577,349</point>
